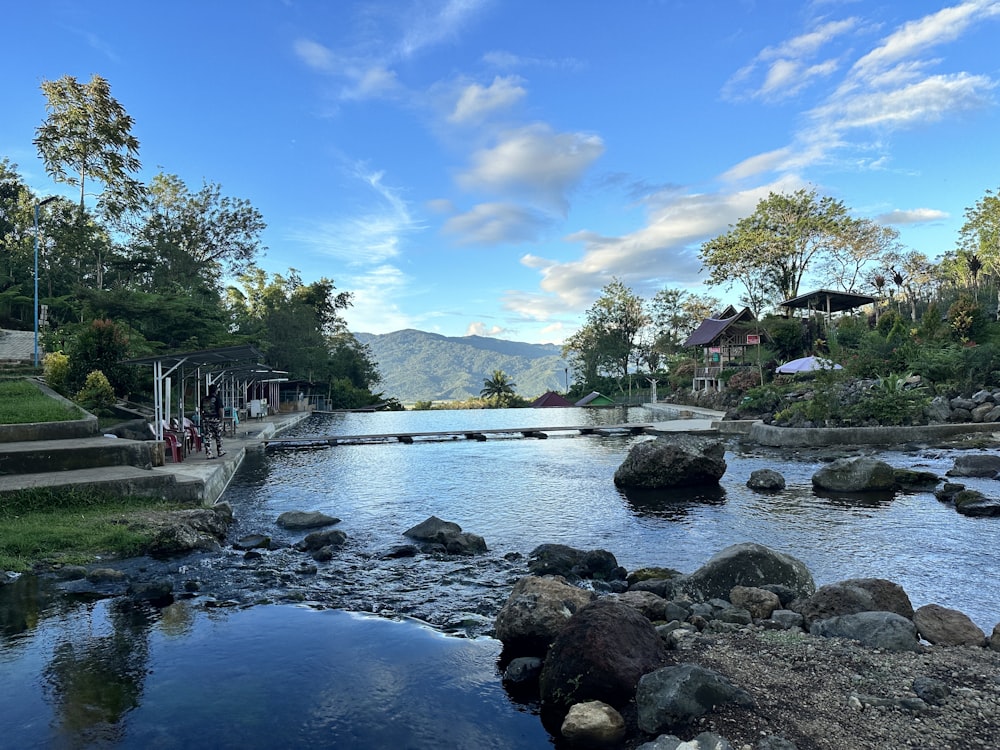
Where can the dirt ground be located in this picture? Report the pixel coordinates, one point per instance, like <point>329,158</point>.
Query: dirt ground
<point>825,694</point>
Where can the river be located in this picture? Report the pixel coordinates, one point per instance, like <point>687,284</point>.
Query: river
<point>311,665</point>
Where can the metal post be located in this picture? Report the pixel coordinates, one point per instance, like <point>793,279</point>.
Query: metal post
<point>38,205</point>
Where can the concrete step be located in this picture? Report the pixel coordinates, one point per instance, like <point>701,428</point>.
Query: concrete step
<point>118,481</point>
<point>35,456</point>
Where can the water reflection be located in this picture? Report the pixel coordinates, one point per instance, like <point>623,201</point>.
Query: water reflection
<point>674,503</point>
<point>93,680</point>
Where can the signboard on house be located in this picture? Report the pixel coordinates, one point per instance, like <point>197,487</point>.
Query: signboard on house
<point>753,339</point>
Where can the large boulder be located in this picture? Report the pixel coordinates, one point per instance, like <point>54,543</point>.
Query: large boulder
<point>537,609</point>
<point>884,630</point>
<point>746,564</point>
<point>674,696</point>
<point>300,519</point>
<point>863,474</point>
<point>448,535</point>
<point>975,465</point>
<point>600,655</point>
<point>676,461</point>
<point>561,560</point>
<point>975,503</point>
<point>947,627</point>
<point>197,529</point>
<point>766,480</point>
<point>853,596</point>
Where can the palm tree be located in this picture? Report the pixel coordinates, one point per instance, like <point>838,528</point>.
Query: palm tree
<point>499,387</point>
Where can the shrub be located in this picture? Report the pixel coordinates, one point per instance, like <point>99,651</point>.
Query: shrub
<point>966,319</point>
<point>56,369</point>
<point>97,394</point>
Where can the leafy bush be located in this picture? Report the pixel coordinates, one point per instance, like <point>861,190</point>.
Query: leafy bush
<point>891,402</point>
<point>786,334</point>
<point>103,345</point>
<point>850,331</point>
<point>966,319</point>
<point>97,394</point>
<point>56,369</point>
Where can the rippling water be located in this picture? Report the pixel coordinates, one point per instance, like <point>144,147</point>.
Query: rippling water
<point>82,673</point>
<point>519,493</point>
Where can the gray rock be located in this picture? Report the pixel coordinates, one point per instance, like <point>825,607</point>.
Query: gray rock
<point>975,503</point>
<point>704,741</point>
<point>572,564</point>
<point>853,596</point>
<point>593,724</point>
<point>536,611</point>
<point>885,630</point>
<point>200,529</point>
<point>975,465</point>
<point>651,606</point>
<point>760,603</point>
<point>675,695</point>
<point>159,590</point>
<point>747,564</point>
<point>938,410</point>
<point>600,655</point>
<point>864,474</point>
<point>774,742</point>
<point>447,534</point>
<point>676,461</point>
<point>523,670</point>
<point>931,690</point>
<point>766,480</point>
<point>319,539</point>
<point>947,627</point>
<point>995,638</point>
<point>105,575</point>
<point>300,519</point>
<point>783,619</point>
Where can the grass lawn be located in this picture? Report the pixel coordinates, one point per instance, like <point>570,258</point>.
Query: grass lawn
<point>70,527</point>
<point>21,402</point>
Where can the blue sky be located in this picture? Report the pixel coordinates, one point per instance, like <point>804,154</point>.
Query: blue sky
<point>487,166</point>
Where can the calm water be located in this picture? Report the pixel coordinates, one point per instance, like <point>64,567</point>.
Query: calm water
<point>104,674</point>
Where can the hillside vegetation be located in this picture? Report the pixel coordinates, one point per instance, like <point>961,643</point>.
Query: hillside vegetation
<point>421,366</point>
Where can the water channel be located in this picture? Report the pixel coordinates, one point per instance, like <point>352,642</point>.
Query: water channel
<point>372,651</point>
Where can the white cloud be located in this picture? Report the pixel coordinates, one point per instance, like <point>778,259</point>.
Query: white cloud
<point>786,68</point>
<point>946,25</point>
<point>496,223</point>
<point>374,306</point>
<point>913,216</point>
<point>478,328</point>
<point>367,237</point>
<point>533,163</point>
<point>477,102</point>
<point>664,252</point>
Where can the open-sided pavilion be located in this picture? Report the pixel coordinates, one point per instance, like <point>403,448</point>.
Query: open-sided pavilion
<point>245,383</point>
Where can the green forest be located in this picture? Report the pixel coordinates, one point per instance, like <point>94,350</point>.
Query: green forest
<point>132,269</point>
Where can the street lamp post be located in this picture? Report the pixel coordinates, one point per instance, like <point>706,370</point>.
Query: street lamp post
<point>38,205</point>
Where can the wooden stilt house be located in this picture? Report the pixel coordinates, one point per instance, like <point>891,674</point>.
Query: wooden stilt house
<point>725,342</point>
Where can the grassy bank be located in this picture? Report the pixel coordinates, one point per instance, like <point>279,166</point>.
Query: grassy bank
<point>70,527</point>
<point>21,402</point>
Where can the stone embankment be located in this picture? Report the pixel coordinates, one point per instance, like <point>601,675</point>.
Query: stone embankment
<point>745,652</point>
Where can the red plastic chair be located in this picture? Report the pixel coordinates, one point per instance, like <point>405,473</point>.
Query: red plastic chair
<point>174,449</point>
<point>193,438</point>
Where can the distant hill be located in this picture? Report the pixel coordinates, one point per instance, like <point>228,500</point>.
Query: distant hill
<point>421,366</point>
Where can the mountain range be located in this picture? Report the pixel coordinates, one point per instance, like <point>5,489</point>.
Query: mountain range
<point>422,366</point>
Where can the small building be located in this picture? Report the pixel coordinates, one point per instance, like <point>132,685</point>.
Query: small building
<point>550,399</point>
<point>724,341</point>
<point>828,301</point>
<point>595,399</point>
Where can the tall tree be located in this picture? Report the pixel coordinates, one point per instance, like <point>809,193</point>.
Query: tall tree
<point>498,389</point>
<point>979,237</point>
<point>608,343</point>
<point>860,245</point>
<point>772,250</point>
<point>87,135</point>
<point>189,240</point>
